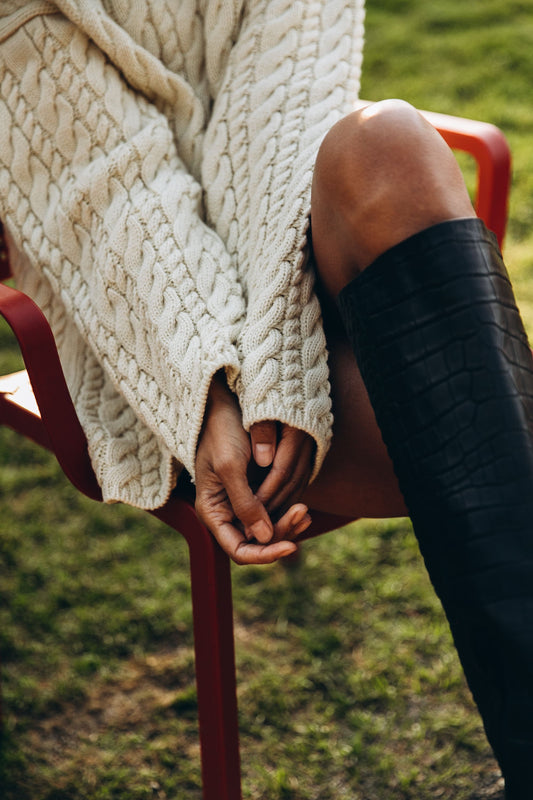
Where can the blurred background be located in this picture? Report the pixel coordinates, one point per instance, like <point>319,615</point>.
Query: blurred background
<point>349,686</point>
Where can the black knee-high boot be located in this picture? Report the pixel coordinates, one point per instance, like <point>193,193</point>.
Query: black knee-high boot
<point>447,366</point>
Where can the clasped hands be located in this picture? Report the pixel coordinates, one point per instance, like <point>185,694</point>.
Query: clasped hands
<point>247,483</point>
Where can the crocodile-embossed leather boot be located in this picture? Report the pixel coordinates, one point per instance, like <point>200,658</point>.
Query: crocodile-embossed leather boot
<point>443,353</point>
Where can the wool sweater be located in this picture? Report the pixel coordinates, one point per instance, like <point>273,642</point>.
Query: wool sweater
<point>156,160</point>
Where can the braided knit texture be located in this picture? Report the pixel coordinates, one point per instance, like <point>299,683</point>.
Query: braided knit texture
<point>156,161</point>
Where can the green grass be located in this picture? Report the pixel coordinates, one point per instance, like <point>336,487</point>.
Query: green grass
<point>349,686</point>
<point>473,59</point>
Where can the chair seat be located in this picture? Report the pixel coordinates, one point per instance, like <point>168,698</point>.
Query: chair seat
<point>16,389</point>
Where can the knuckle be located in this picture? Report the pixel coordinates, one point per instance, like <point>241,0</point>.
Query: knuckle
<point>263,431</point>
<point>262,424</point>
<point>200,507</point>
<point>245,508</point>
<point>227,466</point>
<point>224,467</point>
<point>284,474</point>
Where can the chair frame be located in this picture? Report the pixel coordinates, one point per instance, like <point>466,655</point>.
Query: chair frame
<point>48,418</point>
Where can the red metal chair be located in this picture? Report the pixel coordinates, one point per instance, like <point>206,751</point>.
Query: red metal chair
<point>36,403</point>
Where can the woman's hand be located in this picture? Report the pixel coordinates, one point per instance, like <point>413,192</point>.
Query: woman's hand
<point>289,452</point>
<point>225,501</point>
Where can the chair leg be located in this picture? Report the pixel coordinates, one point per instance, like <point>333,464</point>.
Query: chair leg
<point>214,656</point>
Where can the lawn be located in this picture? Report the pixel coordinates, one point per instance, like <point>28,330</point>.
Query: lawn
<point>349,686</point>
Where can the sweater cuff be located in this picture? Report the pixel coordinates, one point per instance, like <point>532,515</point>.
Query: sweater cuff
<point>314,418</point>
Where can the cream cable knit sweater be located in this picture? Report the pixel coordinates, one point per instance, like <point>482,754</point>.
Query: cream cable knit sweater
<point>155,169</point>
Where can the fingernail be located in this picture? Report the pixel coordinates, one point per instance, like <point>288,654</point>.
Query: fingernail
<point>288,551</point>
<point>263,454</point>
<point>303,525</point>
<point>298,513</point>
<point>261,531</point>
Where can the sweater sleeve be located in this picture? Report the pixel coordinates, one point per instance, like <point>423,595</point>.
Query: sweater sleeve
<point>96,197</point>
<point>293,71</point>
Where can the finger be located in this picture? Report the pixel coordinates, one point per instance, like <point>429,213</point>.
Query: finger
<point>295,521</point>
<point>223,495</point>
<point>264,438</point>
<point>302,526</point>
<point>242,552</point>
<point>290,472</point>
<point>247,507</point>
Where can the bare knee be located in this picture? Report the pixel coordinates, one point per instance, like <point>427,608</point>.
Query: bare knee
<point>382,174</point>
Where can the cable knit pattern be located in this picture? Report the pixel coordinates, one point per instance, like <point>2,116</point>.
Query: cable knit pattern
<point>155,170</point>
<point>258,196</point>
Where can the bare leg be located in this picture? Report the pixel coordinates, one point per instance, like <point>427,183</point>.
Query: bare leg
<point>382,174</point>
<point>357,478</point>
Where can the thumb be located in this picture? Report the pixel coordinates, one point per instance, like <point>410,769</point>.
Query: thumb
<point>250,511</point>
<point>264,437</point>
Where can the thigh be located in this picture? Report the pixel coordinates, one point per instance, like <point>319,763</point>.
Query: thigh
<point>357,478</point>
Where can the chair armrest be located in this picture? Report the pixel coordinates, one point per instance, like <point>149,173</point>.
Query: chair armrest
<point>488,145</point>
<point>58,426</point>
